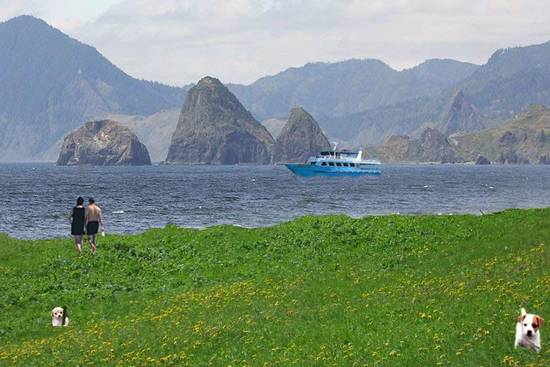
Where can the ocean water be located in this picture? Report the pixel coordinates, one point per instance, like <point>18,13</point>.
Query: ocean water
<point>35,199</point>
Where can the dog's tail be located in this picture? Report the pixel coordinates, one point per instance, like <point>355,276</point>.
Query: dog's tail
<point>64,320</point>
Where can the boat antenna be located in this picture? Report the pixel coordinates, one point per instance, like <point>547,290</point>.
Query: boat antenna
<point>335,146</point>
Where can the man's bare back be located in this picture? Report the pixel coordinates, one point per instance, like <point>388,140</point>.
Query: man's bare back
<point>93,213</point>
<point>93,220</point>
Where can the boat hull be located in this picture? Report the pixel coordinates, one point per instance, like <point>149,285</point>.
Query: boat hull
<point>307,170</point>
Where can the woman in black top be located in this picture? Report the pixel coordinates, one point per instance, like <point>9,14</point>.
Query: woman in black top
<point>77,219</point>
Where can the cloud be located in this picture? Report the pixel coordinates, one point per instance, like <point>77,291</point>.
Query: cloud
<point>64,14</point>
<point>9,9</point>
<point>179,41</point>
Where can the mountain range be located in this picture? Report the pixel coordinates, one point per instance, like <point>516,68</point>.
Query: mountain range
<point>337,89</point>
<point>51,84</point>
<point>511,80</point>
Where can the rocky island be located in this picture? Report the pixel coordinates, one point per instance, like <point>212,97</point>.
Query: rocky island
<point>300,138</point>
<point>103,143</point>
<point>215,128</point>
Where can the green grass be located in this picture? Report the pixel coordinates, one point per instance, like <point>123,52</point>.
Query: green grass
<point>335,291</point>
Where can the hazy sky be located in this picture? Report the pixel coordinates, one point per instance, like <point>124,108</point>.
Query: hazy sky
<point>179,41</point>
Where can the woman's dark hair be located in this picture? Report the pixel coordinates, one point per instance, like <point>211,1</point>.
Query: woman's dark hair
<point>91,200</point>
<point>80,200</point>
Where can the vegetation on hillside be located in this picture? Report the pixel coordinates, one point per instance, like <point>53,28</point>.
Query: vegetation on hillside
<point>525,139</point>
<point>334,291</point>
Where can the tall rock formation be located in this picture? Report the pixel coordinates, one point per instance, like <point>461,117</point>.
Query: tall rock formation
<point>214,128</point>
<point>460,116</point>
<point>103,143</point>
<point>300,138</point>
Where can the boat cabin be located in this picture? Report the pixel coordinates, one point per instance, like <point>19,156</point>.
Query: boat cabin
<point>342,154</point>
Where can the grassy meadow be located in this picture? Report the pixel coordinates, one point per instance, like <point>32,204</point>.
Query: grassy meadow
<point>317,291</point>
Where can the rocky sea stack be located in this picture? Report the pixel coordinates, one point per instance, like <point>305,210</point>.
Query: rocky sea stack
<point>481,160</point>
<point>215,128</point>
<point>103,143</point>
<point>300,138</point>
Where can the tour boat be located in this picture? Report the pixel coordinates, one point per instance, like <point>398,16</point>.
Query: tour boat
<point>336,163</point>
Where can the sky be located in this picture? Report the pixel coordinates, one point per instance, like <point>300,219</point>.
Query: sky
<point>179,41</point>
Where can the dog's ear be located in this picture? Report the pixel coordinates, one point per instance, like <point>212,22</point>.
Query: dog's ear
<point>539,320</point>
<point>522,315</point>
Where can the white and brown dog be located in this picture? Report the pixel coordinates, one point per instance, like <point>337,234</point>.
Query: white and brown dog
<point>60,317</point>
<point>528,331</point>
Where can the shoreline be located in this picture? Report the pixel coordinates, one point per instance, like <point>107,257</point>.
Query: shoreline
<point>298,218</point>
<point>162,164</point>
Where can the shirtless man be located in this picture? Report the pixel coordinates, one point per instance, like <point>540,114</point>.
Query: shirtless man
<point>94,219</point>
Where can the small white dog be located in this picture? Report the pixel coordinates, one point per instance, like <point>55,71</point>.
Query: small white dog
<point>59,316</point>
<point>527,330</point>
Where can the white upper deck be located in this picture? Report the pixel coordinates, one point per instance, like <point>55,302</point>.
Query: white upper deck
<point>342,156</point>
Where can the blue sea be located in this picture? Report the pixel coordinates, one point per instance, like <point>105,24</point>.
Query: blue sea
<point>35,199</point>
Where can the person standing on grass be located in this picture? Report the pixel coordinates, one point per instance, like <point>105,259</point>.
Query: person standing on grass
<point>77,218</point>
<point>94,219</point>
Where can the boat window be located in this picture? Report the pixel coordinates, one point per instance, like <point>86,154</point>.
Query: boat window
<point>324,164</point>
<point>339,164</point>
<point>312,163</point>
<point>352,164</point>
<point>331,163</point>
<point>345,164</point>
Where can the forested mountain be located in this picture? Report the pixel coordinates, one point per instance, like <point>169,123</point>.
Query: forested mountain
<point>511,80</point>
<point>329,90</point>
<point>51,83</point>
